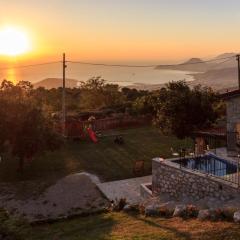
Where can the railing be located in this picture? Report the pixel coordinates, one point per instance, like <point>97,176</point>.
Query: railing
<point>213,166</point>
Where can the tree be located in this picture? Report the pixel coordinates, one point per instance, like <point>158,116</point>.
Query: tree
<point>25,129</point>
<point>180,110</point>
<point>143,105</point>
<point>132,93</point>
<point>97,94</point>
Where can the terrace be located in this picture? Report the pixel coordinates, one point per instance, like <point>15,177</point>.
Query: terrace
<point>212,170</point>
<point>210,174</point>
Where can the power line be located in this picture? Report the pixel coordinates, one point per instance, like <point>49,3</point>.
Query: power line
<point>207,61</point>
<point>31,65</point>
<point>238,60</point>
<point>216,65</point>
<point>147,66</point>
<point>113,65</point>
<point>118,65</point>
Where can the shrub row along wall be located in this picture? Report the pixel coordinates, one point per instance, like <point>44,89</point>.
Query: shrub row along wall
<point>167,177</point>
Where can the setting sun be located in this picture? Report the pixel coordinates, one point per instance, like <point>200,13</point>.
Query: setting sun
<point>13,42</point>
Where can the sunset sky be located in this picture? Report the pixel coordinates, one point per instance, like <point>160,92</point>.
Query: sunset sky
<point>127,30</point>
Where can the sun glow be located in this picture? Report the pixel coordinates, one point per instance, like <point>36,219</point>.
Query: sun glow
<point>13,42</point>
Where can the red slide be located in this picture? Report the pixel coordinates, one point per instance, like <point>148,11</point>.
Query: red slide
<point>92,135</point>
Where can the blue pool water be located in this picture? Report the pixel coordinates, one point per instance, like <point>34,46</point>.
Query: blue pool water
<point>209,164</point>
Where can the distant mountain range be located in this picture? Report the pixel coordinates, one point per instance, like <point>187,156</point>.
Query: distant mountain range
<point>218,73</point>
<point>49,83</point>
<point>193,65</point>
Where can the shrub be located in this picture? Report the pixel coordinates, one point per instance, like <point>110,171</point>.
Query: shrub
<point>141,208</point>
<point>228,213</point>
<point>119,204</point>
<point>191,211</point>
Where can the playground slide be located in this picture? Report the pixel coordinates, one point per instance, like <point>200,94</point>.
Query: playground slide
<point>92,135</point>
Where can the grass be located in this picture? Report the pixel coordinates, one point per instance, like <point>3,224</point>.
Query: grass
<point>117,226</point>
<point>105,159</point>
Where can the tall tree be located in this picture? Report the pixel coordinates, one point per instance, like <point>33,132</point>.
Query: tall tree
<point>180,110</point>
<point>25,129</point>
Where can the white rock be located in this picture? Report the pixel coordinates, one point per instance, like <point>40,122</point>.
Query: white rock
<point>179,210</point>
<point>204,214</point>
<point>236,217</point>
<point>127,208</point>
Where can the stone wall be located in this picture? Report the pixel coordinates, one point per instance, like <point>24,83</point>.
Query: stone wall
<point>168,177</point>
<point>233,113</point>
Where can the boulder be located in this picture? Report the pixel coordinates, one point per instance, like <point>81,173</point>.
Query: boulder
<point>191,211</point>
<point>130,207</point>
<point>229,212</point>
<point>204,214</point>
<point>236,217</point>
<point>179,210</point>
<point>151,210</point>
<point>127,208</point>
<point>166,209</point>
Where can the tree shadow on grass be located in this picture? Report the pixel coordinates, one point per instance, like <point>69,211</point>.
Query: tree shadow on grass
<point>81,228</point>
<point>177,233</point>
<point>230,233</point>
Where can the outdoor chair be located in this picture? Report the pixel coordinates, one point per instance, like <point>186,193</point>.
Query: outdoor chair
<point>138,168</point>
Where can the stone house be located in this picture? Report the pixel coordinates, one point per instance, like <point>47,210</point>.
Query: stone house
<point>232,100</point>
<point>227,135</point>
<point>211,138</point>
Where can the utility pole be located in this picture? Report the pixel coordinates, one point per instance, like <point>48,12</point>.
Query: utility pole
<point>64,97</point>
<point>238,60</point>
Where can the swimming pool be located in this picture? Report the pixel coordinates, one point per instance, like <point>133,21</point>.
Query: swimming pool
<point>209,164</point>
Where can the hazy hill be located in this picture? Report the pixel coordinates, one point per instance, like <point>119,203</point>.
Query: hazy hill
<point>219,74</point>
<point>224,63</point>
<point>225,55</point>
<point>217,79</point>
<point>193,64</point>
<point>197,64</point>
<point>49,83</point>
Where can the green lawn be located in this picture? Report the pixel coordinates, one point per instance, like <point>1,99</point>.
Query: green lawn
<point>105,159</point>
<point>121,226</point>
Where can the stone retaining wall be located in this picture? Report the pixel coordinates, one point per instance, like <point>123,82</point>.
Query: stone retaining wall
<point>168,177</point>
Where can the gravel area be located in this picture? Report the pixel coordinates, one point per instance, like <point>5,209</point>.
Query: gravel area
<point>72,195</point>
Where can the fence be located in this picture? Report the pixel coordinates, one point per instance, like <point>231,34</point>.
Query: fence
<point>213,166</point>
<point>75,128</point>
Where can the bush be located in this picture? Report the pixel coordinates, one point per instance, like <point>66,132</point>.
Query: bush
<point>191,211</point>
<point>141,209</point>
<point>165,212</point>
<point>228,213</point>
<point>119,204</point>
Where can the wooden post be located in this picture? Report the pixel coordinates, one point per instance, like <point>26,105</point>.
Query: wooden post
<point>238,60</point>
<point>238,171</point>
<point>64,97</point>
